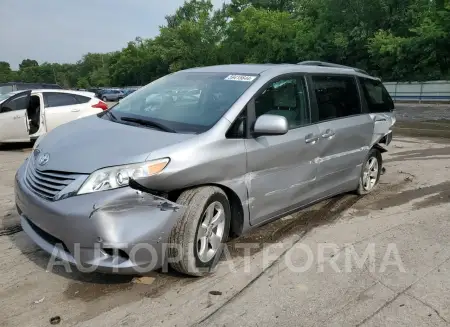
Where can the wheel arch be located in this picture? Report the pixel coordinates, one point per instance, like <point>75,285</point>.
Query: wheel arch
<point>378,147</point>
<point>236,205</point>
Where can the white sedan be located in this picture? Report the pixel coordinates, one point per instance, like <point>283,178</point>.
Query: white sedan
<point>26,115</point>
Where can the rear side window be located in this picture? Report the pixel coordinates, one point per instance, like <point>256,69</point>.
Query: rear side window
<point>82,99</point>
<point>59,99</point>
<point>376,95</point>
<point>337,96</point>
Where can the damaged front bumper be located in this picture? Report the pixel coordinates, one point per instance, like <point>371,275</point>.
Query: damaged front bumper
<point>116,231</point>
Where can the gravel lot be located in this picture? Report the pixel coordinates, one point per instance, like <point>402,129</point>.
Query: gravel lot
<point>409,210</point>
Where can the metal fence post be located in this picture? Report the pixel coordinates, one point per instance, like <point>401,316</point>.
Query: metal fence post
<point>421,90</point>
<point>395,91</point>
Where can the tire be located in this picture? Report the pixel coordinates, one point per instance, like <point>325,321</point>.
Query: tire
<point>187,253</point>
<point>104,99</point>
<point>364,187</point>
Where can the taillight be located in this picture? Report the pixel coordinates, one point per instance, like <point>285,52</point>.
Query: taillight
<point>101,105</point>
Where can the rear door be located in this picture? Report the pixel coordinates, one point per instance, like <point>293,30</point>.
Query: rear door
<point>13,118</point>
<point>60,108</point>
<point>381,108</point>
<point>282,169</point>
<point>345,132</point>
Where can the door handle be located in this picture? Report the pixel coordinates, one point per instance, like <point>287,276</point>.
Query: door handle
<point>75,110</point>
<point>311,138</point>
<point>17,117</point>
<point>329,133</point>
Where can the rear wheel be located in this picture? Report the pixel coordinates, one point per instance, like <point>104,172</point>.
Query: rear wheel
<point>198,238</point>
<point>105,99</point>
<point>371,172</point>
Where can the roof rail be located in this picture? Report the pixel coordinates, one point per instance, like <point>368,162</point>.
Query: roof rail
<point>328,64</point>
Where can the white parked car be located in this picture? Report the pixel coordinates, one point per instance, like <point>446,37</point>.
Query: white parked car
<point>26,115</point>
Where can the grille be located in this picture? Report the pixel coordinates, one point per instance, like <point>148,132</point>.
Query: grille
<point>47,183</point>
<point>47,237</point>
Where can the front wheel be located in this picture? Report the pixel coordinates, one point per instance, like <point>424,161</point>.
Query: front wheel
<point>198,237</point>
<point>371,172</point>
<point>104,99</point>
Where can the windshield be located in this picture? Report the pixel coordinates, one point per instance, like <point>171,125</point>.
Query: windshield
<point>184,102</point>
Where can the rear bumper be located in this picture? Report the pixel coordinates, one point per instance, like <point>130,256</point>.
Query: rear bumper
<point>118,231</point>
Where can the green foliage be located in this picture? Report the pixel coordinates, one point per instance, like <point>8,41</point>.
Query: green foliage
<point>394,39</point>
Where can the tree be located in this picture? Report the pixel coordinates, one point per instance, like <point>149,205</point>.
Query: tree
<point>263,36</point>
<point>5,71</point>
<point>192,36</point>
<point>26,63</point>
<point>394,39</point>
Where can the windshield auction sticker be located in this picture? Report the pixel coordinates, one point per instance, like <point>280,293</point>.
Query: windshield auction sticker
<point>241,78</point>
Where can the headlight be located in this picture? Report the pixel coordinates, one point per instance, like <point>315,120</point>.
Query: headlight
<point>119,176</point>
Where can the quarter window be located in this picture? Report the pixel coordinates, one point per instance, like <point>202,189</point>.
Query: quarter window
<point>81,98</point>
<point>59,99</point>
<point>377,97</point>
<point>287,98</point>
<point>337,96</point>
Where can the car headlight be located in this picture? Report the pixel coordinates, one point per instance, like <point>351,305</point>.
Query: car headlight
<point>119,176</point>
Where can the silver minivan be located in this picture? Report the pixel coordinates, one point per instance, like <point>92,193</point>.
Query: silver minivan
<point>167,174</point>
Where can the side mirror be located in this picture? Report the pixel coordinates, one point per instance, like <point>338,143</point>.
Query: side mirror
<point>270,125</point>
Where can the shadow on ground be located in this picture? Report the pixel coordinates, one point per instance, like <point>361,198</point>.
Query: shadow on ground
<point>22,146</point>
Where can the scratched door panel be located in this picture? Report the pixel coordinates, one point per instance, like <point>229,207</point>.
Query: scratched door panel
<point>283,170</point>
<point>342,154</point>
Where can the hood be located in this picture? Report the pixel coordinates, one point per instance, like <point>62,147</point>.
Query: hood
<point>91,143</point>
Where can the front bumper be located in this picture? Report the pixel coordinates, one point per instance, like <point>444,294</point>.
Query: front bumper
<point>117,231</point>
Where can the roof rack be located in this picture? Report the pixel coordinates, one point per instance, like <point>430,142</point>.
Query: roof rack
<point>328,64</point>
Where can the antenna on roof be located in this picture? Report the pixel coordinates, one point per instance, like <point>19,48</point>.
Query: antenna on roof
<point>331,65</point>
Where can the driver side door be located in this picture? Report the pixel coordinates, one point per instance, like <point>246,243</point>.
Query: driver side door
<point>13,118</point>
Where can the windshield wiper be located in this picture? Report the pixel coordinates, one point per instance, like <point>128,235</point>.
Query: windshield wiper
<point>149,123</point>
<point>111,115</point>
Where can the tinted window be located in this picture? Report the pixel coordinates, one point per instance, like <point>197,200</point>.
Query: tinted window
<point>19,103</point>
<point>81,99</point>
<point>59,99</point>
<point>337,96</point>
<point>287,98</point>
<point>376,95</point>
<point>186,101</point>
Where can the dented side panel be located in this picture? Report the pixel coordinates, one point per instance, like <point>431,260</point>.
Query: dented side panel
<point>283,172</point>
<point>342,153</point>
<point>383,124</point>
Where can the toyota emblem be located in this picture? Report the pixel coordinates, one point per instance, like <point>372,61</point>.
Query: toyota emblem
<point>43,159</point>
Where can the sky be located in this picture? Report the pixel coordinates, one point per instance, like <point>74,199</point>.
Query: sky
<point>63,30</point>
